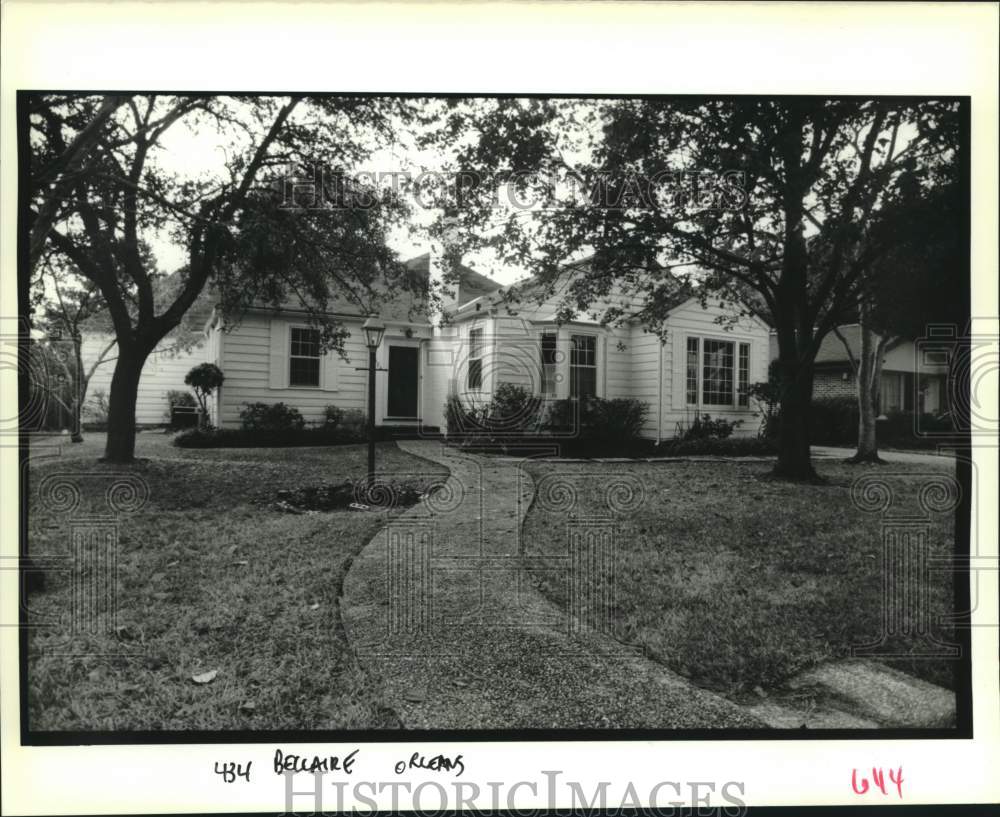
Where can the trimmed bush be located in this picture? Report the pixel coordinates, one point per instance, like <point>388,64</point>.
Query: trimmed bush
<point>718,446</point>
<point>270,417</point>
<point>348,422</point>
<point>243,438</point>
<point>513,408</point>
<point>594,418</point>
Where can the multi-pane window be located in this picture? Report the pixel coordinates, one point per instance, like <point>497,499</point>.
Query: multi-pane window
<point>692,371</point>
<point>303,363</point>
<point>475,376</point>
<point>548,363</point>
<point>583,366</point>
<point>717,372</point>
<point>743,383</point>
<point>720,370</point>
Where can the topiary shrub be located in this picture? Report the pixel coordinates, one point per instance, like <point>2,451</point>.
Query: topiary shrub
<point>204,378</point>
<point>270,417</point>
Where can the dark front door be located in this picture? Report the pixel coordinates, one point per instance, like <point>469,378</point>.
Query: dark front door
<point>403,382</point>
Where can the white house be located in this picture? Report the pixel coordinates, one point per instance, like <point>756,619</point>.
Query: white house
<point>273,356</point>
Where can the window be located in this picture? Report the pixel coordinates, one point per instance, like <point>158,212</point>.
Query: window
<point>475,376</point>
<point>720,369</point>
<point>743,384</point>
<point>548,362</point>
<point>692,371</point>
<point>583,366</point>
<point>303,367</point>
<point>717,373</point>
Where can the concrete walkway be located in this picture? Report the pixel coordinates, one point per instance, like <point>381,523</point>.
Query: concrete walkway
<point>440,604</point>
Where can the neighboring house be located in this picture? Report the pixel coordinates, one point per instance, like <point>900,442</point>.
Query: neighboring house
<point>273,356</point>
<point>913,379</point>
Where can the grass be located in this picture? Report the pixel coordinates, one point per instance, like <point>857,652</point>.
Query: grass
<point>735,580</point>
<point>210,577</point>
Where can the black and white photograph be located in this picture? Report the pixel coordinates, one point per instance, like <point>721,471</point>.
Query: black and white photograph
<point>389,416</point>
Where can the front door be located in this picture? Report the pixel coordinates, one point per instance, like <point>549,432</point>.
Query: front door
<point>403,365</point>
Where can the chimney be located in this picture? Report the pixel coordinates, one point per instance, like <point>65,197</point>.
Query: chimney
<point>438,266</point>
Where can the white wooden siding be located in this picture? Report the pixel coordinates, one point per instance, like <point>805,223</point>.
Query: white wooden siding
<point>163,371</point>
<point>255,357</point>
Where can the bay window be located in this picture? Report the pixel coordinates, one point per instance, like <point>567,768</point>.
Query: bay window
<point>548,364</point>
<point>475,376</point>
<point>719,370</point>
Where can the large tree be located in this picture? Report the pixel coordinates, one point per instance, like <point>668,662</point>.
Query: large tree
<point>145,178</point>
<point>757,201</point>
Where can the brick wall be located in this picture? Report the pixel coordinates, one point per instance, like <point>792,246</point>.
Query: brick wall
<point>827,384</point>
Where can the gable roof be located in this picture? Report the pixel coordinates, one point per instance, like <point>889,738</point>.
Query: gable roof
<point>531,288</point>
<point>471,286</point>
<point>832,351</point>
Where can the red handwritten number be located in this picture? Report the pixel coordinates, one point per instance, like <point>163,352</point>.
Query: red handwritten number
<point>897,778</point>
<point>878,778</point>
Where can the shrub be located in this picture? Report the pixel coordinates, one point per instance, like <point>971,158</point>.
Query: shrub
<point>705,428</point>
<point>512,408</point>
<point>718,446</point>
<point>349,422</point>
<point>462,419</point>
<point>266,438</point>
<point>270,417</point>
<point>767,396</point>
<point>617,420</point>
<point>179,397</point>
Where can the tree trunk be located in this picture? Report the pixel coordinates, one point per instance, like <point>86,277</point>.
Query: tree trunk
<point>121,405</point>
<point>869,370</point>
<point>794,460</point>
<point>81,391</point>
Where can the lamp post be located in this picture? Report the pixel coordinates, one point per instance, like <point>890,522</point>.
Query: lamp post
<point>374,330</point>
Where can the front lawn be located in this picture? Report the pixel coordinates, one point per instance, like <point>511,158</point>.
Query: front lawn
<point>732,579</point>
<point>210,578</point>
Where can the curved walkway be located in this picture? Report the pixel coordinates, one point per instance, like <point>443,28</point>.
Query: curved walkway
<point>440,604</point>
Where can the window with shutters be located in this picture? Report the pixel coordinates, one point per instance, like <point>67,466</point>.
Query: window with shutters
<point>303,361</point>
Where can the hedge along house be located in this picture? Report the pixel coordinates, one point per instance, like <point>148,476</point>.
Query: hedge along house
<point>913,379</point>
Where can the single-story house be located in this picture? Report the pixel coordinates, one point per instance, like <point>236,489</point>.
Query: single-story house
<point>273,356</point>
<point>913,378</point>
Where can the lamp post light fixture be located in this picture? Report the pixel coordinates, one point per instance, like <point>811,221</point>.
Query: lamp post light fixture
<point>374,330</point>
